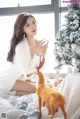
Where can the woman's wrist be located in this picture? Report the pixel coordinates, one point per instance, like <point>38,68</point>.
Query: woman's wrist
<point>37,52</point>
<point>40,54</point>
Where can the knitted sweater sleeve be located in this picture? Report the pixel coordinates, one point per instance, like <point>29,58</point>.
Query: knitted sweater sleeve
<point>25,63</point>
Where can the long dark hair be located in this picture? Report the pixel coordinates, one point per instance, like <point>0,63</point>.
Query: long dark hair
<point>18,34</point>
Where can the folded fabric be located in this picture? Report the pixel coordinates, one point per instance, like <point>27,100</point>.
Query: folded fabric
<point>70,88</point>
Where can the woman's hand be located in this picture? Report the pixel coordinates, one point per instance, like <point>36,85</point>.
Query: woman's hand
<point>38,48</point>
<point>44,48</point>
<point>41,47</point>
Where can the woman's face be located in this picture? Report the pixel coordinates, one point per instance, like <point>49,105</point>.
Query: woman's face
<point>30,27</point>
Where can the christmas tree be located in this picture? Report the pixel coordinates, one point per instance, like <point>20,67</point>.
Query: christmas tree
<point>67,44</point>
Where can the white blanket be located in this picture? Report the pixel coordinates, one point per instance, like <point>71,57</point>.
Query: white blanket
<point>70,88</point>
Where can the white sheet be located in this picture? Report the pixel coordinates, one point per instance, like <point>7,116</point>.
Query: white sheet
<point>70,88</point>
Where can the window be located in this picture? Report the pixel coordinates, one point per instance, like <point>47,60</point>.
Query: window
<point>63,19</point>
<point>15,3</point>
<point>45,30</point>
<point>6,28</point>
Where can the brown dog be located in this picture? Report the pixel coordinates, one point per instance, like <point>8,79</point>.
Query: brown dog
<point>53,98</point>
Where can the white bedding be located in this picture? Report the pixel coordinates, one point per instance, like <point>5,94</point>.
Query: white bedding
<point>70,88</point>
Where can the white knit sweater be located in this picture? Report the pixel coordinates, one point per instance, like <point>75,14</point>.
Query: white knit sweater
<point>23,64</point>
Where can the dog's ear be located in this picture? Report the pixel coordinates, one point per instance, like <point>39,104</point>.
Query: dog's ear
<point>42,59</point>
<point>28,75</point>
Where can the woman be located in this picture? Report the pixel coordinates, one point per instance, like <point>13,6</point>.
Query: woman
<point>24,54</point>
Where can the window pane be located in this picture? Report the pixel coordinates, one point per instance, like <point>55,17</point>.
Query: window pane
<point>63,20</point>
<point>45,23</point>
<point>15,3</point>
<point>6,27</point>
